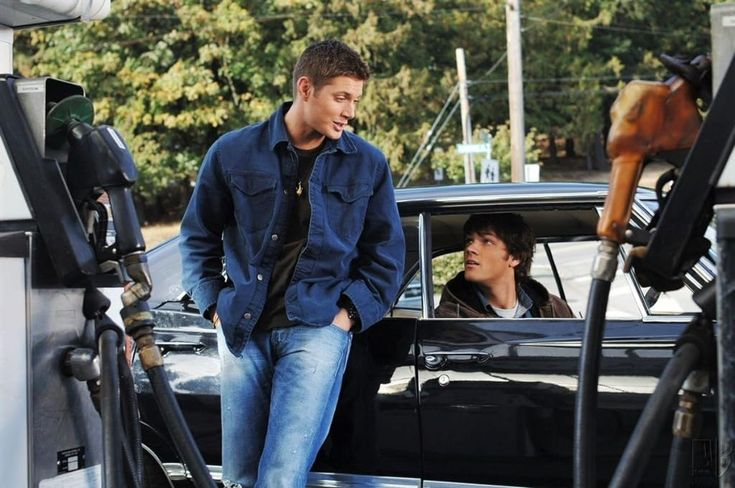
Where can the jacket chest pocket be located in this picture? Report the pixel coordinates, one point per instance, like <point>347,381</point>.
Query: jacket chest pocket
<point>253,196</point>
<point>346,206</point>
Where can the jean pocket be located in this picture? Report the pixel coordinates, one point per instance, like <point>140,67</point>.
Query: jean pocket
<point>340,329</point>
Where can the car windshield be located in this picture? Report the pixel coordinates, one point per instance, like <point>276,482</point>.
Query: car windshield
<point>165,267</point>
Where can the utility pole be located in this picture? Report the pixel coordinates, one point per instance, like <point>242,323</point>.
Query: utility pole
<point>515,90</point>
<point>464,105</point>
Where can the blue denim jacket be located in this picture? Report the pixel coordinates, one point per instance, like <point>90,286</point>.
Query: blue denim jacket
<point>239,211</point>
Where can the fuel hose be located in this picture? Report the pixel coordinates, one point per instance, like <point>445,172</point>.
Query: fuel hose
<point>647,430</point>
<point>585,417</point>
<point>110,408</point>
<point>176,425</point>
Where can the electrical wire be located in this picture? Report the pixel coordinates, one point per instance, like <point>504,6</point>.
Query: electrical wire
<point>425,149</point>
<point>404,179</point>
<point>407,175</point>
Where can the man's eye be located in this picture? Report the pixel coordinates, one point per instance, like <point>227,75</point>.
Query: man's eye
<point>341,99</point>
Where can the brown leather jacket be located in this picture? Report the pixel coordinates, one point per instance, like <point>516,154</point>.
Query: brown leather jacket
<point>459,299</point>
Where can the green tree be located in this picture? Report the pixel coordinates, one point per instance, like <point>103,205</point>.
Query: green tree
<point>173,75</point>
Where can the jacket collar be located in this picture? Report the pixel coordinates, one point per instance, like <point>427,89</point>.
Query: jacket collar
<point>530,293</point>
<point>277,133</point>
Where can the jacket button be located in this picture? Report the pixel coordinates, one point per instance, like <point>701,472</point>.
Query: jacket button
<point>247,316</point>
<point>274,237</point>
<point>260,277</point>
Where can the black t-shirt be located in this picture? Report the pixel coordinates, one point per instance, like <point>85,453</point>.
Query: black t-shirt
<point>274,311</point>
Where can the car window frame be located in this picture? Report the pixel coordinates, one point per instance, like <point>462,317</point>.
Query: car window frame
<point>639,216</point>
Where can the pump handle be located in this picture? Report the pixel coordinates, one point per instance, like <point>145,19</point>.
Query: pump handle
<point>647,118</point>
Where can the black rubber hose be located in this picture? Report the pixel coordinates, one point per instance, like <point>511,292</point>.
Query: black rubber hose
<point>647,430</point>
<point>131,477</point>
<point>176,425</point>
<point>110,409</point>
<point>585,419</point>
<point>131,420</point>
<point>677,474</point>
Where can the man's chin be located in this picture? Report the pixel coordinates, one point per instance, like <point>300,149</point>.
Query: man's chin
<point>333,135</point>
<point>469,275</point>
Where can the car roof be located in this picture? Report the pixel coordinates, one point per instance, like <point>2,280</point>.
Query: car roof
<point>466,197</point>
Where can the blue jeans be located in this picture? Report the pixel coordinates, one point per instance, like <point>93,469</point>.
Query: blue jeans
<point>278,401</point>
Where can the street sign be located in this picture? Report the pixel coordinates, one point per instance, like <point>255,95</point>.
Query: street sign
<point>472,148</point>
<point>438,174</point>
<point>490,172</point>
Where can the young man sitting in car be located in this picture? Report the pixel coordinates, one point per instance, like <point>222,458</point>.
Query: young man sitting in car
<point>495,283</point>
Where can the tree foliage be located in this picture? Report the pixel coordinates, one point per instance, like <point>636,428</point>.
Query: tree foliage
<point>173,75</point>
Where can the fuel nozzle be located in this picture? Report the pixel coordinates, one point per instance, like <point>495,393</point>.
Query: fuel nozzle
<point>100,162</point>
<point>647,118</point>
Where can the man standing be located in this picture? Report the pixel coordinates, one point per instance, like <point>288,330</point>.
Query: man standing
<point>495,283</point>
<point>302,215</point>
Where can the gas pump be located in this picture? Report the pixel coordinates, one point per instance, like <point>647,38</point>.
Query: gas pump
<point>656,120</point>
<point>58,346</point>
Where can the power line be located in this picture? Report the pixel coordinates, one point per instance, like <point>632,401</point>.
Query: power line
<point>549,93</point>
<point>415,161</point>
<point>612,28</point>
<point>501,81</point>
<point>305,13</point>
<point>424,150</point>
<point>428,149</point>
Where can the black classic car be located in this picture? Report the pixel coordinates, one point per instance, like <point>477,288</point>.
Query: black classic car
<point>438,402</point>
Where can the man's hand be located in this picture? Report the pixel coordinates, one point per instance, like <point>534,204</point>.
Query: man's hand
<point>215,320</point>
<point>342,321</point>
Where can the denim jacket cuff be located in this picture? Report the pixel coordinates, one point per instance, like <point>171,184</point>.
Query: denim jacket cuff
<point>363,300</point>
<point>206,293</point>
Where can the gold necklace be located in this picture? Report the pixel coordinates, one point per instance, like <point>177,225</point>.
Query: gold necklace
<point>299,189</point>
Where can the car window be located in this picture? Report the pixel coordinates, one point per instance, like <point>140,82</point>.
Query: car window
<point>675,302</point>
<point>543,272</point>
<point>573,262</point>
<point>410,299</point>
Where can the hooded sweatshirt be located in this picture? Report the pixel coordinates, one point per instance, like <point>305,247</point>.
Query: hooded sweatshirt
<point>460,299</point>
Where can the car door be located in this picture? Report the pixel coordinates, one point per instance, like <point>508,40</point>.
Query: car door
<point>497,396</point>
<point>374,439</point>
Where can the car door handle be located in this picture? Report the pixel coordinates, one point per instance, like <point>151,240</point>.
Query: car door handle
<point>180,346</point>
<point>436,361</point>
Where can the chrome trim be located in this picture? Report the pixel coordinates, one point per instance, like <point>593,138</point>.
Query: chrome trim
<point>608,344</point>
<point>499,192</point>
<point>323,480</point>
<point>678,319</point>
<point>425,263</point>
<point>178,472</point>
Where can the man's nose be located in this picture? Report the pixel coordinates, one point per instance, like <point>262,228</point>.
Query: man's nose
<point>349,111</point>
<point>471,248</point>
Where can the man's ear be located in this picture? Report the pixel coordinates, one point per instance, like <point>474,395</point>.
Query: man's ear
<point>304,88</point>
<point>514,262</point>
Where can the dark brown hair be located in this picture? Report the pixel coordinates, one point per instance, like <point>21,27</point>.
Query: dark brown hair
<point>328,59</point>
<point>513,231</point>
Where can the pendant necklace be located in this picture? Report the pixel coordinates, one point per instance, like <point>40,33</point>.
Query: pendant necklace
<point>299,189</point>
